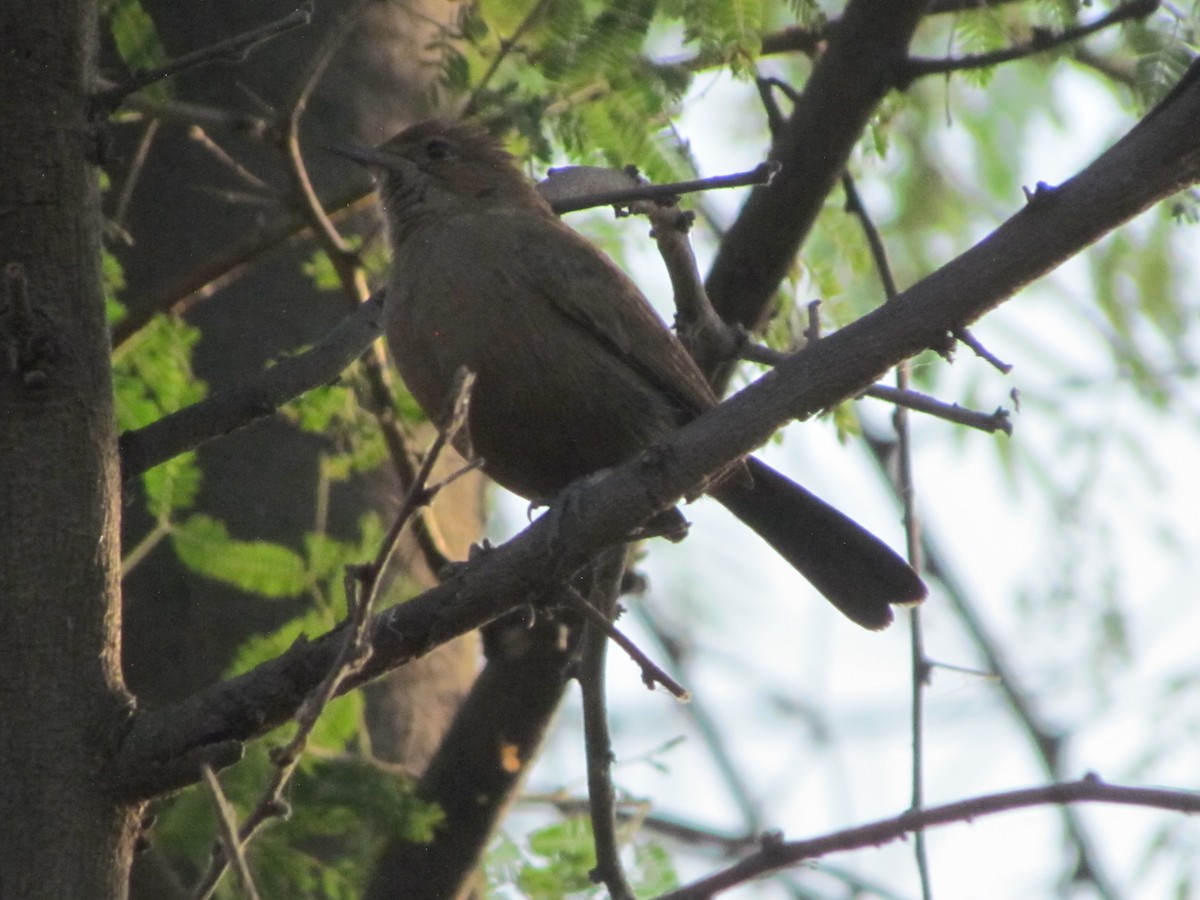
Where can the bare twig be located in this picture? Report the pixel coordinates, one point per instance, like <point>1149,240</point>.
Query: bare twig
<point>1047,740</point>
<point>855,207</point>
<point>775,116</point>
<point>781,854</point>
<point>951,412</point>
<point>808,39</point>
<point>1043,41</point>
<point>652,673</point>
<point>331,241</point>
<point>905,483</point>
<point>760,174</point>
<point>597,740</point>
<point>706,725</point>
<point>965,335</point>
<point>420,494</point>
<point>189,113</point>
<point>218,272</point>
<point>227,832</point>
<point>362,589</point>
<point>234,49</point>
<point>135,170</point>
<point>909,399</point>
<point>198,134</point>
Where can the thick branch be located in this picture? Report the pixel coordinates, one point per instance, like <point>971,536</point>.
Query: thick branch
<point>846,86</point>
<point>1160,156</point>
<point>237,407</point>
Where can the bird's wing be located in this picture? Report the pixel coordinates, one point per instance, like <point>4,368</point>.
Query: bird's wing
<point>606,303</point>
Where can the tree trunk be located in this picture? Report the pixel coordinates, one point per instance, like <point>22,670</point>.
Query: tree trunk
<point>61,695</point>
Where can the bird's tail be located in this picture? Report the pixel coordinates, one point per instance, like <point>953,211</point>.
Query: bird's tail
<point>855,571</point>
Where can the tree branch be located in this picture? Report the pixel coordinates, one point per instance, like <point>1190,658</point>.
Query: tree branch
<point>237,407</point>
<point>1043,41</point>
<point>234,49</point>
<point>847,83</point>
<point>776,854</point>
<point>1158,157</point>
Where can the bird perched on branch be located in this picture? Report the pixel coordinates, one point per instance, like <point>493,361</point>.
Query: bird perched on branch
<point>574,371</point>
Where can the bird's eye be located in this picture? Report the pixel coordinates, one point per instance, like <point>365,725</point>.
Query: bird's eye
<point>437,149</point>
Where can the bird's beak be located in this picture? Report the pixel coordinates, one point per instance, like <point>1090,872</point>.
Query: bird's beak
<point>366,156</point>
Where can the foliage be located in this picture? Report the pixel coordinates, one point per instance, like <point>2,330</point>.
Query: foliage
<point>556,861</point>
<point>340,811</point>
<point>137,41</point>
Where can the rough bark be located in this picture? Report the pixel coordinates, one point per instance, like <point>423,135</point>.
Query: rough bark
<point>62,835</point>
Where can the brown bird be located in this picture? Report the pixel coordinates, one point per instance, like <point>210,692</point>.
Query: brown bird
<point>574,370</point>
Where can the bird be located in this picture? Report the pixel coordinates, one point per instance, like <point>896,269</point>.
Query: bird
<point>574,370</point>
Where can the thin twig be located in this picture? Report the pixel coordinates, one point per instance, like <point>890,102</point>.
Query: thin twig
<point>376,398</point>
<point>1043,41</point>
<point>652,673</point>
<point>597,739</point>
<point>362,589</point>
<point>855,207</point>
<point>809,39</point>
<point>225,267</point>
<point>234,49</point>
<point>951,412</point>
<point>782,854</point>
<point>507,45</point>
<point>227,831</point>
<point>775,118</point>
<point>905,483</point>
<point>420,493</point>
<point>760,174</point>
<point>198,134</point>
<point>1047,741</point>
<point>965,335</point>
<point>135,170</point>
<point>706,724</point>
<point>190,113</point>
<point>909,399</point>
<point>331,241</point>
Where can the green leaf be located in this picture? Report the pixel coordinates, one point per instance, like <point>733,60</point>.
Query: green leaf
<point>568,848</point>
<point>137,42</point>
<point>653,872</point>
<point>317,410</point>
<point>135,36</point>
<point>112,277</point>
<point>327,557</point>
<point>153,375</point>
<point>172,486</point>
<point>263,647</point>
<point>114,310</point>
<point>342,812</point>
<point>260,567</point>
<point>728,32</point>
<point>340,721</point>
